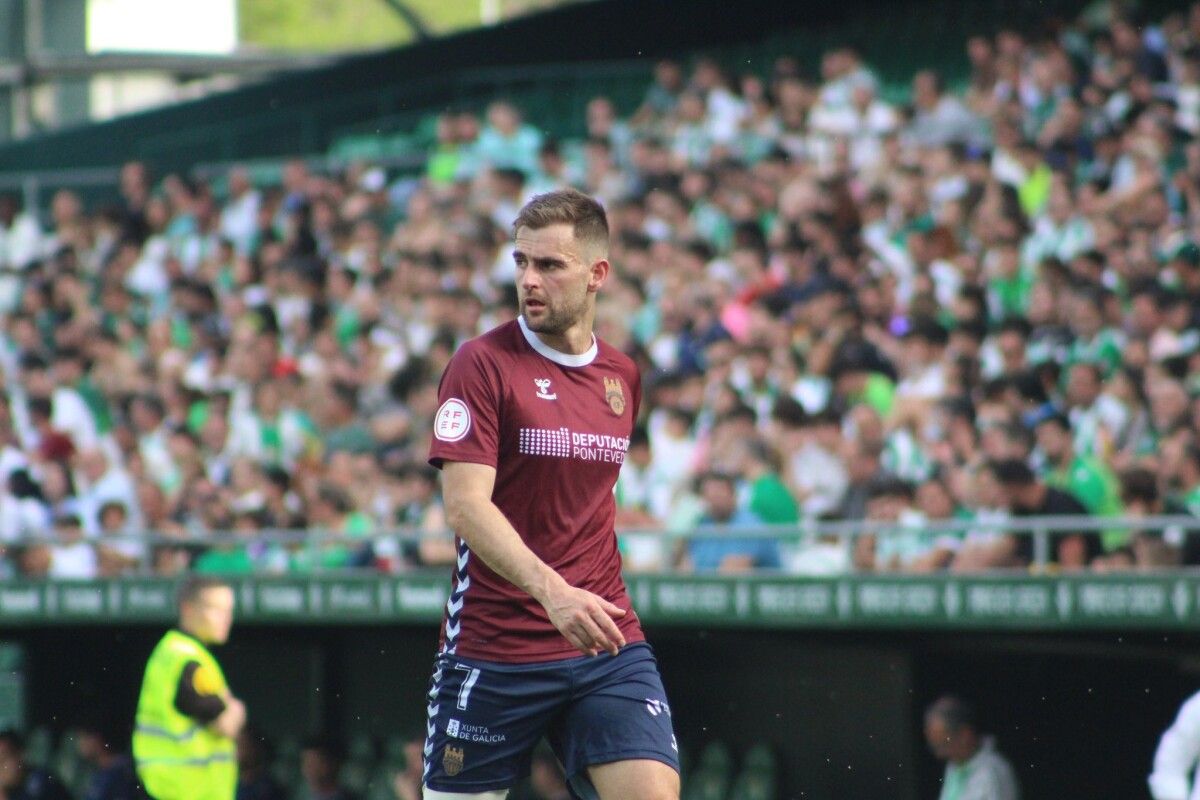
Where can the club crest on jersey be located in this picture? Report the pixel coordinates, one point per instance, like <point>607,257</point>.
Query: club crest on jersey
<point>614,393</point>
<point>543,389</point>
<point>452,760</point>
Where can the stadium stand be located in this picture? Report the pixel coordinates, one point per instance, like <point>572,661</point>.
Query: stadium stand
<point>936,300</point>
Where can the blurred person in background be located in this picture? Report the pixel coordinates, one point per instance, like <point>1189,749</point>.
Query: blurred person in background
<point>254,756</point>
<point>102,747</point>
<point>727,552</point>
<point>321,767</point>
<point>975,770</point>
<point>187,718</point>
<point>20,780</point>
<point>1026,496</point>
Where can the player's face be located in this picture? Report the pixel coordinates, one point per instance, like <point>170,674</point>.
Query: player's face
<point>211,615</point>
<point>555,276</point>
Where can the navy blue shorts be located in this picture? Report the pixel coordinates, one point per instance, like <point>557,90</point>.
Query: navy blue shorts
<point>485,718</point>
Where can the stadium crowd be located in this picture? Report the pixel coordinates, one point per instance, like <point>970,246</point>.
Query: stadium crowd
<point>979,305</point>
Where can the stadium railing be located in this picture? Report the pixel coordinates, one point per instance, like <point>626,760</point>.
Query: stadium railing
<point>843,532</point>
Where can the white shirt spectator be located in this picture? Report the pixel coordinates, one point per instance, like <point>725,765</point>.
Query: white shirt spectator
<point>69,414</point>
<point>948,121</point>
<point>72,416</point>
<point>725,114</point>
<point>989,776</point>
<point>1175,760</point>
<point>21,517</point>
<point>73,561</point>
<point>820,477</point>
<point>149,275</point>
<point>239,220</point>
<point>20,243</point>
<point>926,382</point>
<point>115,486</point>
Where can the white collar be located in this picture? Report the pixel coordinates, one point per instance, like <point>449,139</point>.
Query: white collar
<point>557,356</point>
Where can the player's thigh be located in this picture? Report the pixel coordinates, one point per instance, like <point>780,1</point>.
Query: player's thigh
<point>619,713</point>
<point>642,779</point>
<point>483,720</point>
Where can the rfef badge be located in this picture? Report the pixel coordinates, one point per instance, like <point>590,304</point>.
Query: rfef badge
<point>452,760</point>
<point>615,395</point>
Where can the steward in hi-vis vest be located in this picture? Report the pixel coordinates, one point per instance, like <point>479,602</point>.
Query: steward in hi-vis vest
<point>187,718</point>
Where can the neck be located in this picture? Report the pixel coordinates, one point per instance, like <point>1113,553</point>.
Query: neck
<point>565,348</point>
<point>968,755</point>
<point>576,339</point>
<point>191,631</point>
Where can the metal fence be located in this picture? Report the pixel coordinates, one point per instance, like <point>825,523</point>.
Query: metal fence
<point>835,536</point>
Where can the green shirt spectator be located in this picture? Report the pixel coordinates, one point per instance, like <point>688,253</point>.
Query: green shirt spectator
<point>1091,483</point>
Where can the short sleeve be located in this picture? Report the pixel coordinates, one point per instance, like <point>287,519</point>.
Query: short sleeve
<point>467,424</point>
<point>635,385</point>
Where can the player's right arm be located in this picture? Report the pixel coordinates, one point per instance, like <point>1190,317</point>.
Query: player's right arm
<point>584,618</point>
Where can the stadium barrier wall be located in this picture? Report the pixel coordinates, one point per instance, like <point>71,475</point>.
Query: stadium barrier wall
<point>981,602</point>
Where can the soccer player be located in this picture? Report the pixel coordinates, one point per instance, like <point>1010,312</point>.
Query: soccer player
<point>534,422</point>
<point>187,718</point>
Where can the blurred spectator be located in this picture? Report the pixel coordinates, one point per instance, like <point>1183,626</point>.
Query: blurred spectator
<point>112,776</point>
<point>975,770</point>
<point>1085,478</point>
<point>71,556</point>
<point>874,287</point>
<point>254,760</point>
<point>321,766</point>
<point>907,546</point>
<point>727,553</point>
<point>407,782</point>
<point>117,552</point>
<point>20,780</point>
<point>506,141</point>
<point>1026,496</point>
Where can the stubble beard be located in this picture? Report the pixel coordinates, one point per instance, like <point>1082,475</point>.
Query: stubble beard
<point>556,321</point>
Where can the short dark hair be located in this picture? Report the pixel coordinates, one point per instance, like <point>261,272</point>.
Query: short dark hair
<point>718,476</point>
<point>566,207</point>
<point>195,585</point>
<point>889,486</point>
<point>326,744</point>
<point>1056,418</point>
<point>954,712</point>
<point>41,407</point>
<point>1012,472</point>
<point>1139,484</point>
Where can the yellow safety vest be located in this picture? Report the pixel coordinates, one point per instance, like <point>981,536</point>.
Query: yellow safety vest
<point>178,758</point>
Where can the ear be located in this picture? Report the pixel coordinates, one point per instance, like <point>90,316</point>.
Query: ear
<point>598,274</point>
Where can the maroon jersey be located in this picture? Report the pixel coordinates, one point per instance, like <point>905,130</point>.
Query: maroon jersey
<point>556,427</point>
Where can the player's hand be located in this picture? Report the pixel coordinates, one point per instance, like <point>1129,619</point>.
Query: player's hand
<point>586,620</point>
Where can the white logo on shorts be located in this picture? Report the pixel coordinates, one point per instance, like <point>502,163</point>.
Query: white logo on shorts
<point>453,421</point>
<point>656,707</point>
<point>452,728</point>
